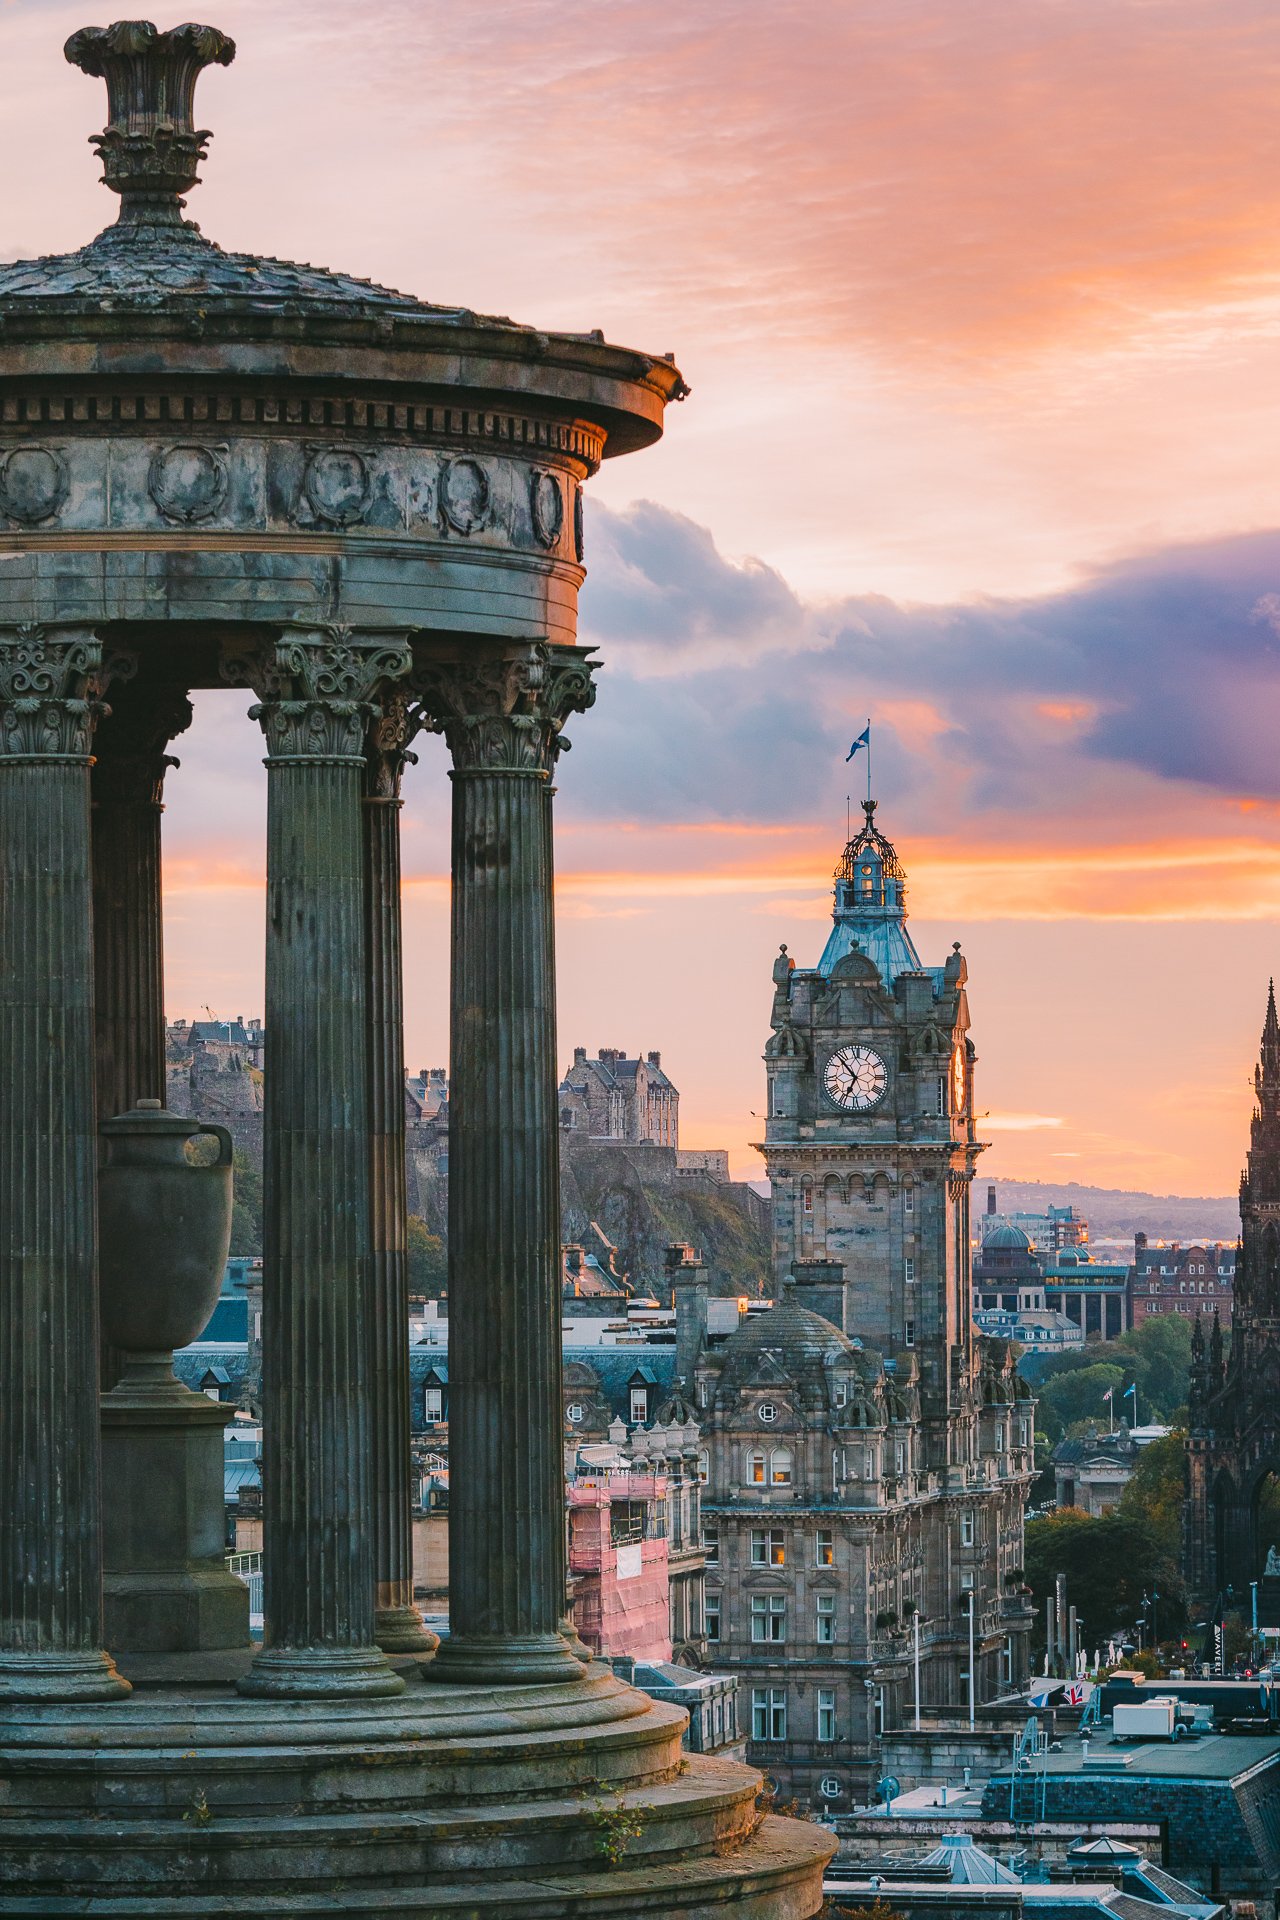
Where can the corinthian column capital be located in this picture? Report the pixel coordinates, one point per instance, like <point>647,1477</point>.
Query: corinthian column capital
<point>397,719</point>
<point>131,761</point>
<point>503,712</point>
<point>51,684</point>
<point>316,689</point>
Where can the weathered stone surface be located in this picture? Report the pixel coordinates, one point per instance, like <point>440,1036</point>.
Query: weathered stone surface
<point>50,1568</point>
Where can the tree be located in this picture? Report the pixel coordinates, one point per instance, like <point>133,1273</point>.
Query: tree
<point>1077,1395</point>
<point>1156,1487</point>
<point>1110,1563</point>
<point>246,1211</point>
<point>428,1260</point>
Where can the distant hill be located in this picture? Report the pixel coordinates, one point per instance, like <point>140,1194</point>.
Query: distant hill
<point>1114,1213</point>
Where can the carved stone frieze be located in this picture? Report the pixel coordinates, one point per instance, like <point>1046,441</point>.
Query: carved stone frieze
<point>51,686</point>
<point>337,485</point>
<point>316,689</point>
<point>504,712</point>
<point>33,484</point>
<point>188,481</point>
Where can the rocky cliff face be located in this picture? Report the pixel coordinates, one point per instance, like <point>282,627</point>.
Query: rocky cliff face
<point>637,1198</point>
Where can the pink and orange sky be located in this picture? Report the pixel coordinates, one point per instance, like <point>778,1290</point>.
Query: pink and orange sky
<point>980,306</point>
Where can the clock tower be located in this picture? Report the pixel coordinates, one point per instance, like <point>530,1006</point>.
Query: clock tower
<point>869,1138</point>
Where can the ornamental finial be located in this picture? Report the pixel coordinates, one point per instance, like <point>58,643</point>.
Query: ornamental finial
<point>150,147</point>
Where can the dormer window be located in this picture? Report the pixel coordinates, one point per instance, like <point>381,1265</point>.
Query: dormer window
<point>840,1393</point>
<point>639,1405</point>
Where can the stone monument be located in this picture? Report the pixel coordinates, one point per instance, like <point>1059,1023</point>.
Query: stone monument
<point>364,510</point>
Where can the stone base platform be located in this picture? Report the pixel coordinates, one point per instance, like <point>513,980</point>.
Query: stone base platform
<point>190,1802</point>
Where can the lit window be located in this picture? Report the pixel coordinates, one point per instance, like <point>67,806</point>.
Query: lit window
<point>768,1547</point>
<point>704,1466</point>
<point>756,1469</point>
<point>769,1618</point>
<point>767,1412</point>
<point>826,1717</point>
<point>780,1467</point>
<point>824,1548</point>
<point>711,1545</point>
<point>808,1199</point>
<point>711,1616</point>
<point>768,1713</point>
<point>826,1618</point>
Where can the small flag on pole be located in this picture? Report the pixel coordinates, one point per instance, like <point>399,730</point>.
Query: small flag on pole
<point>1131,1393</point>
<point>863,740</point>
<point>1107,1395</point>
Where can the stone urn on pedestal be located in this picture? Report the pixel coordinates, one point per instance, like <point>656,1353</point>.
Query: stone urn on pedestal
<point>164,1227</point>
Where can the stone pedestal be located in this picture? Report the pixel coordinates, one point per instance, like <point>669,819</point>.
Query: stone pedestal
<point>166,1588</point>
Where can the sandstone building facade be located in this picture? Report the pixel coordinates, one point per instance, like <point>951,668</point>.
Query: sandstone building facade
<point>867,1454</point>
<point>616,1097</point>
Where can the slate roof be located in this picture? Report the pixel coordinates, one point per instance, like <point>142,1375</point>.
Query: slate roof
<point>157,267</point>
<point>192,1363</point>
<point>801,1339</point>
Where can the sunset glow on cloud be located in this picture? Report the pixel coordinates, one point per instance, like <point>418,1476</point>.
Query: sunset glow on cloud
<point>980,307</point>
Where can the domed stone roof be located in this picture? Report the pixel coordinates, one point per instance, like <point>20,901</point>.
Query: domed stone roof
<point>802,1340</point>
<point>1008,1240</point>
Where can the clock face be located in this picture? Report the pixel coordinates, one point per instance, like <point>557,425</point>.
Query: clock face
<point>855,1078</point>
<point>957,1081</point>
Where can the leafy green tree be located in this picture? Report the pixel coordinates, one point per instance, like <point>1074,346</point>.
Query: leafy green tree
<point>428,1260</point>
<point>1077,1395</point>
<point>1155,1489</point>
<point>246,1211</point>
<point>1109,1563</point>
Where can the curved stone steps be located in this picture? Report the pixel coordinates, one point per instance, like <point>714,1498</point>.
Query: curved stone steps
<point>245,1756</point>
<point>708,1807</point>
<point>776,1874</point>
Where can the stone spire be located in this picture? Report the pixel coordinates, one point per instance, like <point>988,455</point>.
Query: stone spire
<point>151,147</point>
<point>1262,1176</point>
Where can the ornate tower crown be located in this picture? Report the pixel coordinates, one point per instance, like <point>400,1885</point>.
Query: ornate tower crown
<point>870,873</point>
<point>871,905</point>
<point>150,147</point>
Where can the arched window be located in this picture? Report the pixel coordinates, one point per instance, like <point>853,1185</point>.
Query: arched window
<point>807,1198</point>
<point>756,1469</point>
<point>780,1467</point>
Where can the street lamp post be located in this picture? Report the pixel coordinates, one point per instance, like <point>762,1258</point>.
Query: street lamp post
<point>915,1657</point>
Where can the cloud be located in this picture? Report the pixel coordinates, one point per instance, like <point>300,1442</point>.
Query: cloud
<point>1018,1122</point>
<point>1140,703</point>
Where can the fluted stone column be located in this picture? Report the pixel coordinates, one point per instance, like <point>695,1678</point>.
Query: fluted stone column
<point>398,1625</point>
<point>127,784</point>
<point>316,691</point>
<point>501,717</point>
<point>50,1566</point>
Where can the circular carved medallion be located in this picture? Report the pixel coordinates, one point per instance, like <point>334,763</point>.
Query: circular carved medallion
<point>464,495</point>
<point>337,484</point>
<point>188,482</point>
<point>546,505</point>
<point>33,484</point>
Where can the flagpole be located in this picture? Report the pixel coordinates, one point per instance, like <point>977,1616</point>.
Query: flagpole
<point>868,756</point>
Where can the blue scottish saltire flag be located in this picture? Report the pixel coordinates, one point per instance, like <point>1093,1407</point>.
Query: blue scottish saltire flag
<point>863,740</point>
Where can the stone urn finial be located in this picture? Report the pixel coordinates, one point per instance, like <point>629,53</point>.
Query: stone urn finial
<point>150,147</point>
